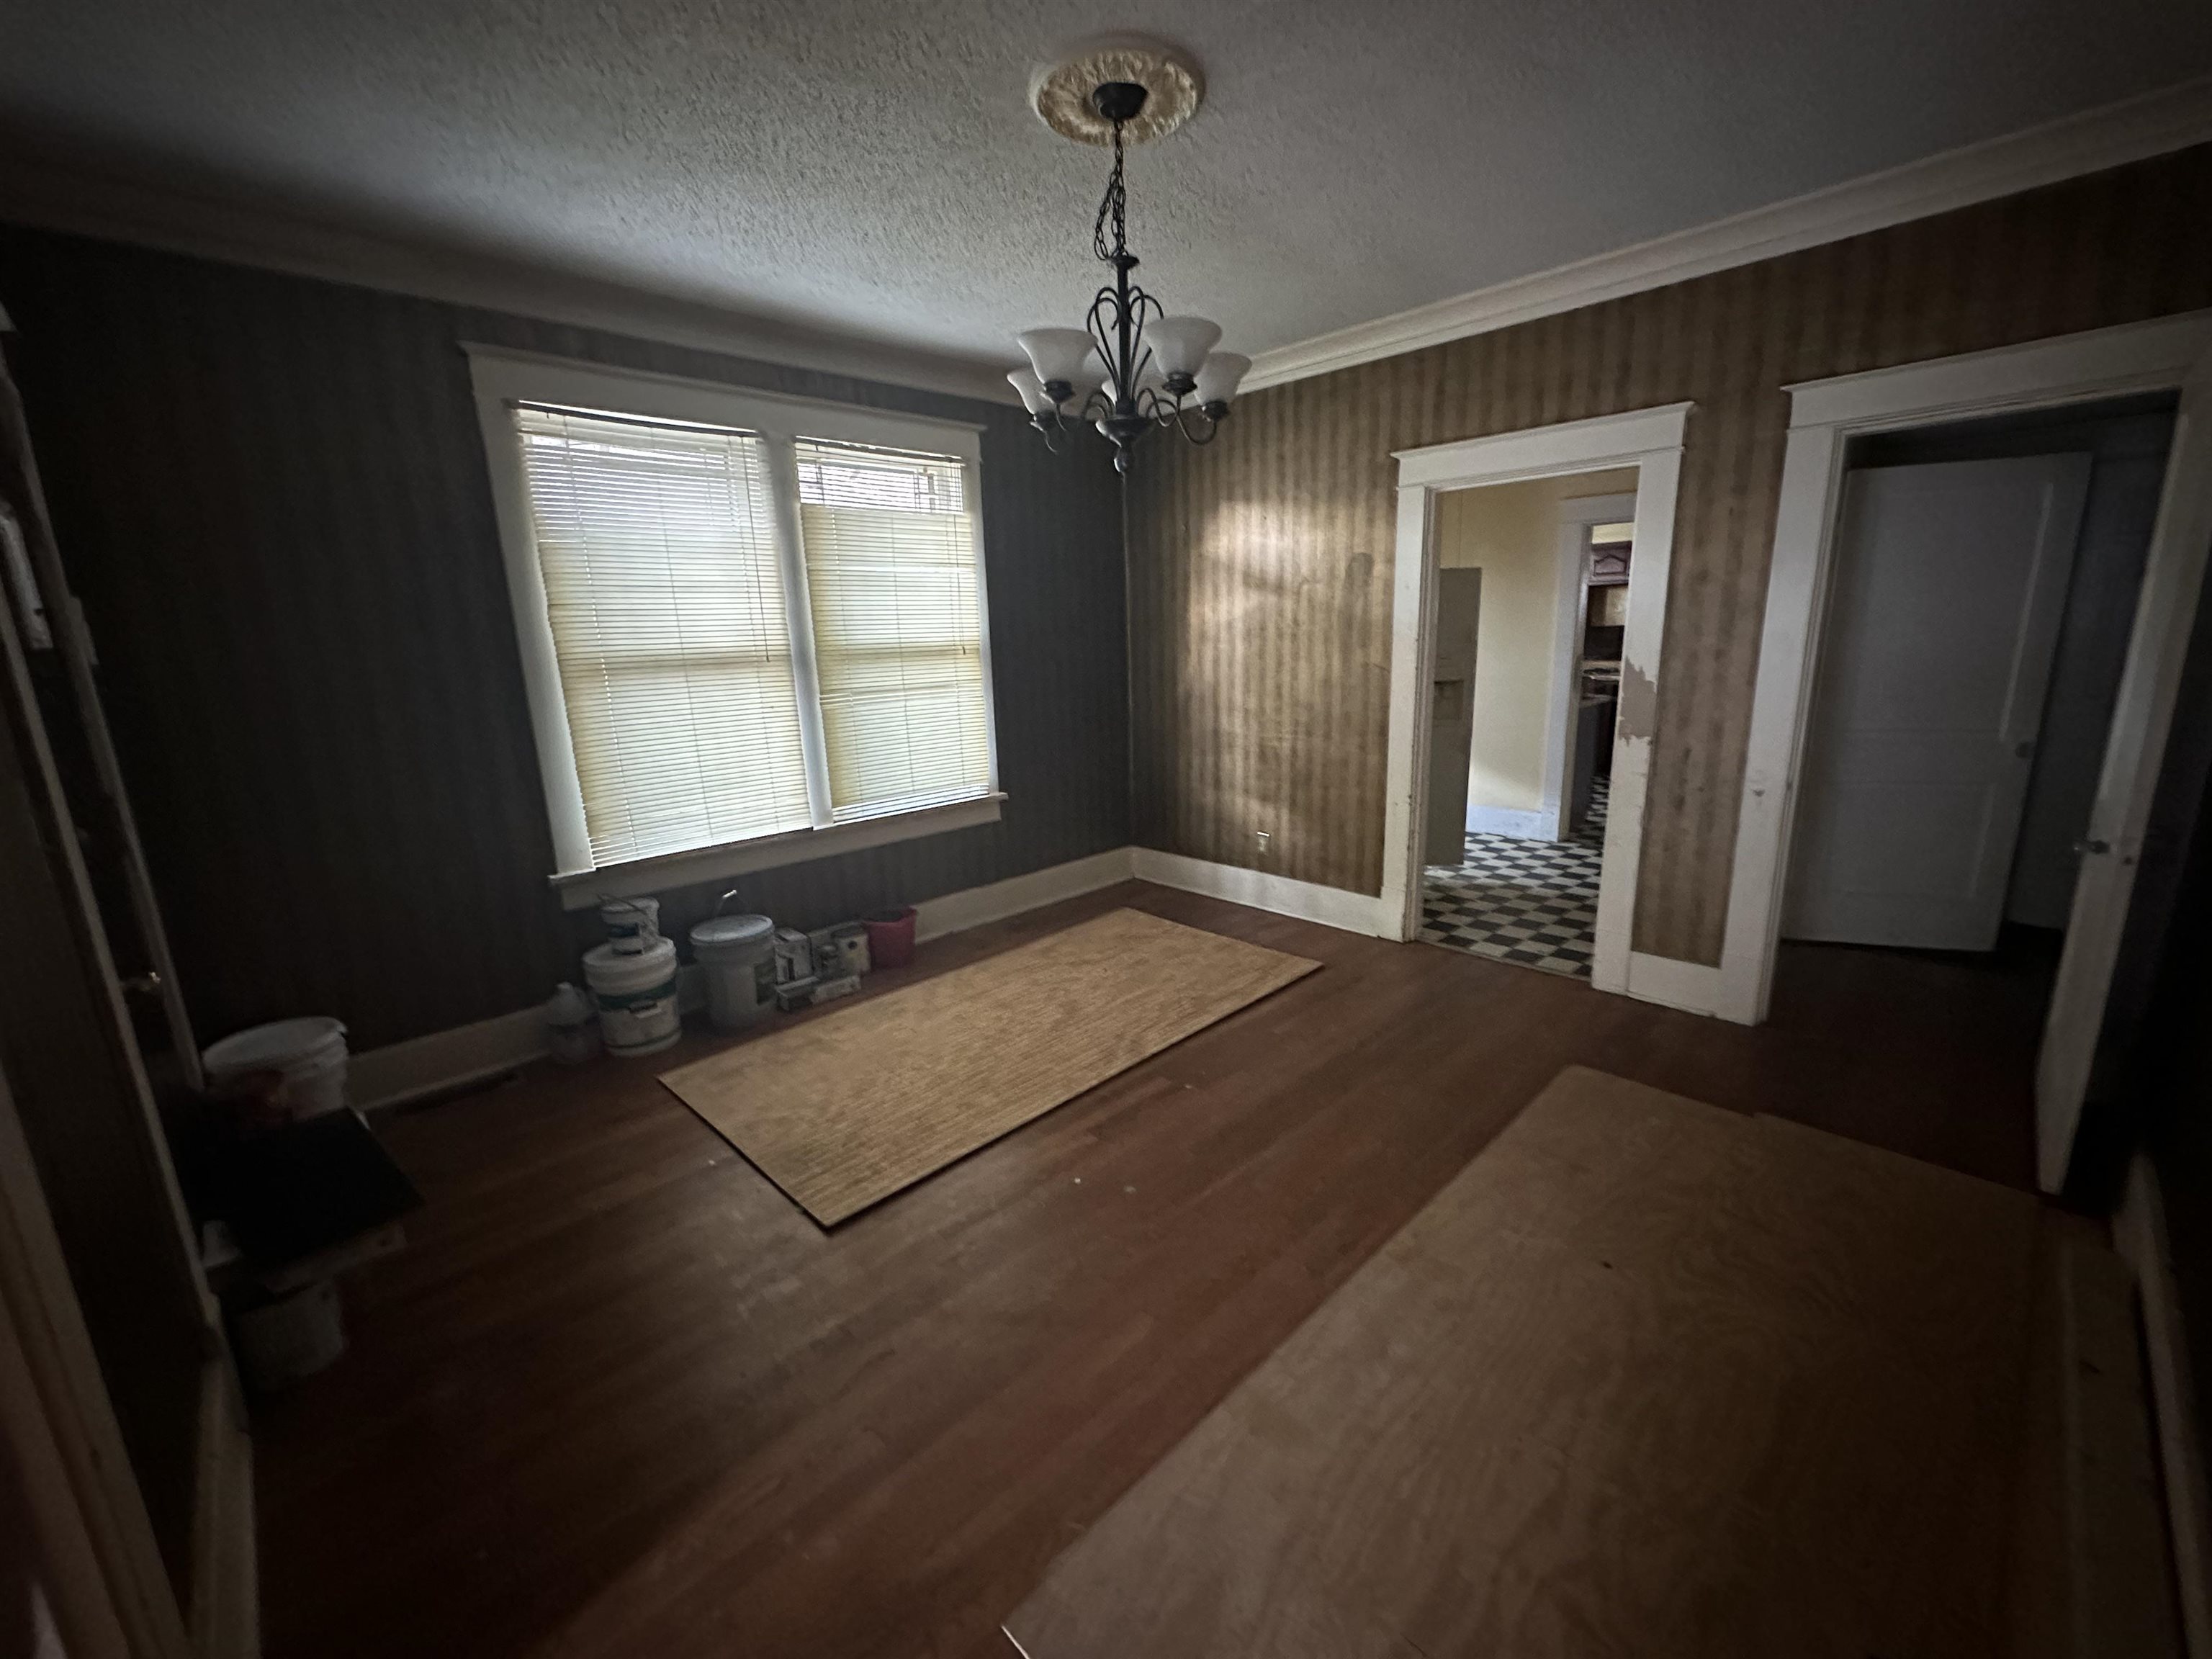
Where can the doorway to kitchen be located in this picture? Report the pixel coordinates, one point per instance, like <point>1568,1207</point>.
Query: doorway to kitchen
<point>1532,604</point>
<point>1533,791</point>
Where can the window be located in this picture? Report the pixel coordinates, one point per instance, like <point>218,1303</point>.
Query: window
<point>753,628</point>
<point>898,630</point>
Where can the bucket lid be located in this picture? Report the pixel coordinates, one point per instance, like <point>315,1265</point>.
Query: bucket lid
<point>278,1045</point>
<point>717,931</point>
<point>605,959</point>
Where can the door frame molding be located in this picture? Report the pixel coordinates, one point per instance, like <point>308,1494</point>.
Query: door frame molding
<point>1648,440</point>
<point>2168,353</point>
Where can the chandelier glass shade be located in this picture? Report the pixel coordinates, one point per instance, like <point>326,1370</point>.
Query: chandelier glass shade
<point>1131,367</point>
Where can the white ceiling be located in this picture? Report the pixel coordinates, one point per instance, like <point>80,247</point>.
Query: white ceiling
<point>875,170</point>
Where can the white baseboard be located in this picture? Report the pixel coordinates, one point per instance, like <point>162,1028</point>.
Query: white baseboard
<point>975,906</point>
<point>2139,1235</point>
<point>1332,907</point>
<point>1690,986</point>
<point>1532,823</point>
<point>401,1072</point>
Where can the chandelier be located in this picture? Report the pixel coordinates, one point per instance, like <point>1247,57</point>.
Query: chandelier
<point>1132,367</point>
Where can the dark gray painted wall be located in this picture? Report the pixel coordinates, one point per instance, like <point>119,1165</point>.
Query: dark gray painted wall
<point>272,497</point>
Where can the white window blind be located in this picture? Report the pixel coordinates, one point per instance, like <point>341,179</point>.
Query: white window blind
<point>891,582</point>
<point>657,543</point>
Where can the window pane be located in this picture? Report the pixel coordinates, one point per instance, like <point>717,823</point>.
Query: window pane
<point>898,633</point>
<point>657,544</point>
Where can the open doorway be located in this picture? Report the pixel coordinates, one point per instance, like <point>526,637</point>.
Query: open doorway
<point>1987,576</point>
<point>1833,428</point>
<point>1642,449</point>
<point>1985,580</point>
<point>1533,584</point>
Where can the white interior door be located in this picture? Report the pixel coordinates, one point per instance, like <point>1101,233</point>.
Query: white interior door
<point>1950,582</point>
<point>1452,714</point>
<point>2165,618</point>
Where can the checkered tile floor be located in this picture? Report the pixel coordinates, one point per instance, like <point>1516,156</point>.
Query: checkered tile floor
<point>1533,902</point>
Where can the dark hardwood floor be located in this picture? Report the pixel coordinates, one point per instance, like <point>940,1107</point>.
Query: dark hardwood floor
<point>620,1396</point>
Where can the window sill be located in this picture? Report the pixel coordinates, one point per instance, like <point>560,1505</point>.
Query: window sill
<point>584,890</point>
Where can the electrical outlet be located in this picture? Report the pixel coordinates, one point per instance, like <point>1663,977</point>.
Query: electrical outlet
<point>1261,836</point>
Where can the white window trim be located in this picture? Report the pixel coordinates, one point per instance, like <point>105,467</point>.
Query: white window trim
<point>501,378</point>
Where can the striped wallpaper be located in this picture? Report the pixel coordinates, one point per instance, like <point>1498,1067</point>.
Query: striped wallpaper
<point>1260,566</point>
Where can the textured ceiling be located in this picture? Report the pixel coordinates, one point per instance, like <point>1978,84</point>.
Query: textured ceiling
<point>874,169</point>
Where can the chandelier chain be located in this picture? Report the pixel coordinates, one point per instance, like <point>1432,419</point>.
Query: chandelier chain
<point>1115,204</point>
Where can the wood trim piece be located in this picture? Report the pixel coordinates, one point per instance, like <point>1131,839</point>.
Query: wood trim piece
<point>113,1594</point>
<point>974,906</point>
<point>1332,907</point>
<point>1649,440</point>
<point>1597,444</point>
<point>439,1061</point>
<point>584,890</point>
<point>2132,131</point>
<point>2100,362</point>
<point>226,1611</point>
<point>1523,823</point>
<point>2139,1234</point>
<point>1690,986</point>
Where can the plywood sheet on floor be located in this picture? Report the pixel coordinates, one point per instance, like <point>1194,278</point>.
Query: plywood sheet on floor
<point>843,1111</point>
<point>1648,1377</point>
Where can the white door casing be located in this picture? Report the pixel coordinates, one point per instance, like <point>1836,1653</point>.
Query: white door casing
<point>1950,582</point>
<point>2170,353</point>
<point>1649,440</point>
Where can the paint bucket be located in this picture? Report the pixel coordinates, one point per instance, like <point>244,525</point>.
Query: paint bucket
<point>290,1337</point>
<point>572,1026</point>
<point>632,924</point>
<point>737,957</point>
<point>309,1055</point>
<point>635,992</point>
<point>891,937</point>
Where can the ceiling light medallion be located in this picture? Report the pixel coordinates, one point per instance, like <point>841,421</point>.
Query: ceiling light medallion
<point>1131,367</point>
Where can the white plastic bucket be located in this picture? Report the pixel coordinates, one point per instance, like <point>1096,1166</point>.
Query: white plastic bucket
<point>635,993</point>
<point>310,1054</point>
<point>737,959</point>
<point>632,924</point>
<point>292,1337</point>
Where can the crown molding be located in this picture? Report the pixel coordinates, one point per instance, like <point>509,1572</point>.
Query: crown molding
<point>2133,130</point>
<point>86,202</point>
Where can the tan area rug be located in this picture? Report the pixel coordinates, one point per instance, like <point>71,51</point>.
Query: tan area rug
<point>1646,1378</point>
<point>845,1110</point>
